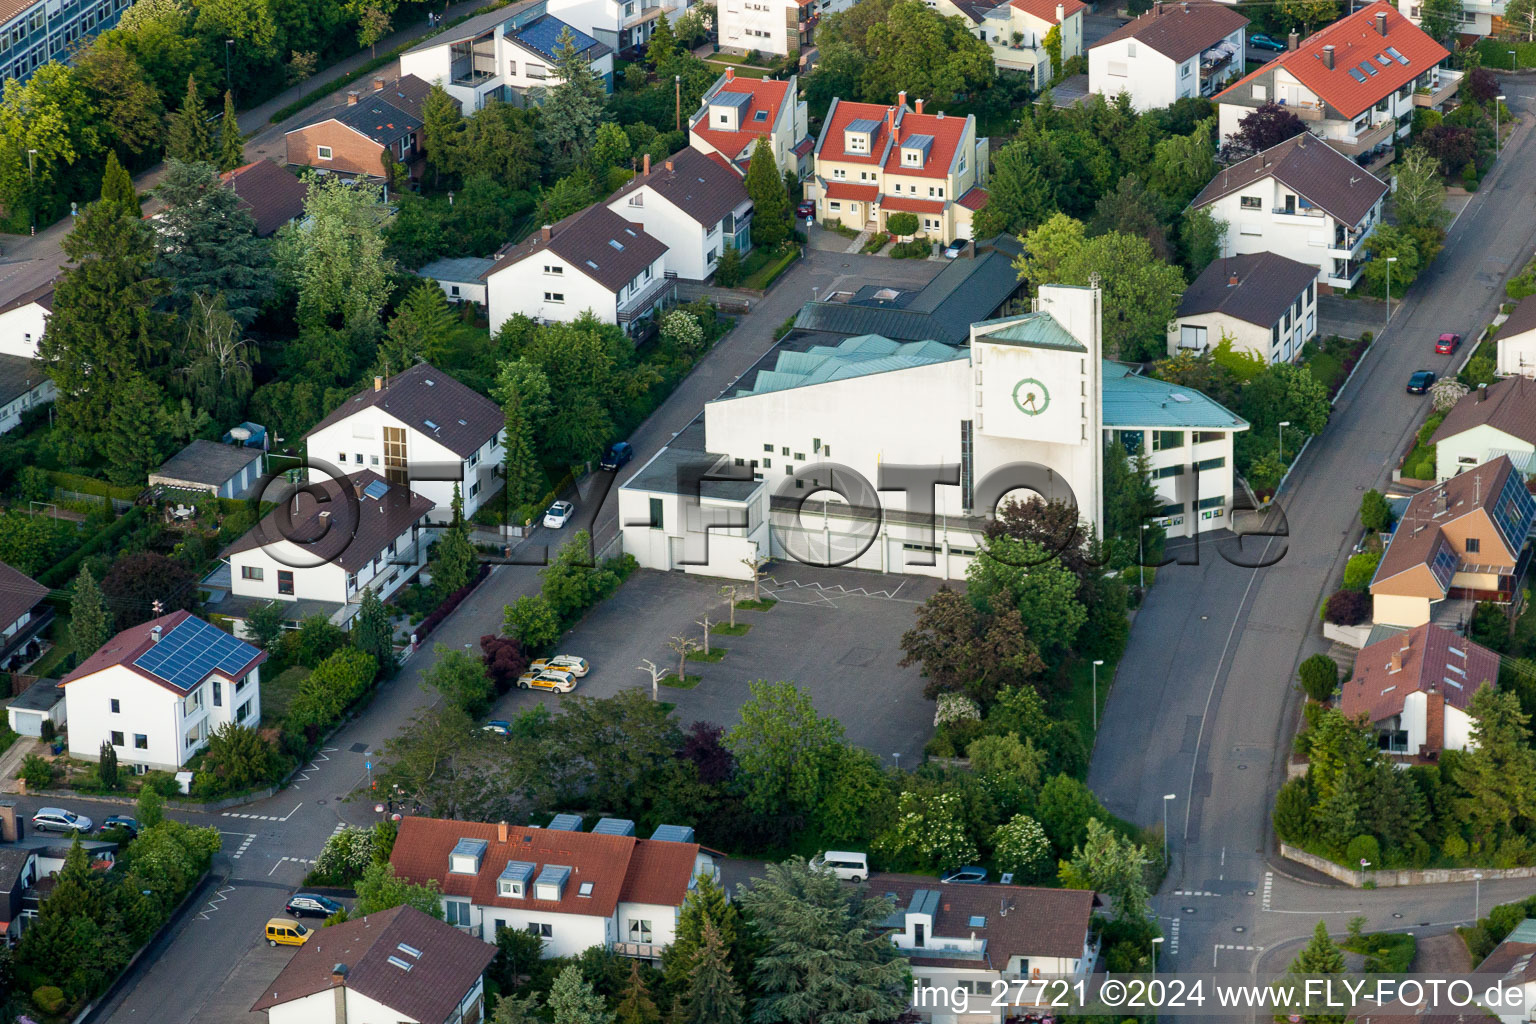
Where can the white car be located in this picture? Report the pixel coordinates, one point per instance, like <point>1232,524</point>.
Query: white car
<point>558,514</point>
<point>57,819</point>
<point>549,679</point>
<point>561,663</point>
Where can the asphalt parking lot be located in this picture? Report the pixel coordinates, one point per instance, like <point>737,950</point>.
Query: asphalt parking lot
<point>834,632</point>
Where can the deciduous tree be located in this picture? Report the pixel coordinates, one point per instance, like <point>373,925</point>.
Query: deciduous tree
<point>784,747</point>
<point>1268,125</point>
<point>380,888</point>
<point>336,260</point>
<point>460,679</point>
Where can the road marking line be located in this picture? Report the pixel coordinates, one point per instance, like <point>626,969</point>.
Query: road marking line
<point>1269,885</point>
<point>250,837</point>
<point>291,813</point>
<point>1173,938</point>
<point>1195,892</point>
<point>218,897</point>
<point>1218,947</point>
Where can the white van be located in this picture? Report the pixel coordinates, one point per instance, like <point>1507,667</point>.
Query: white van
<point>850,867</point>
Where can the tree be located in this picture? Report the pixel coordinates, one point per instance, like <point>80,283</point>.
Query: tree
<point>712,995</point>
<point>571,194</point>
<point>902,44</point>
<point>143,585</point>
<point>1319,676</point>
<point>336,259</point>
<point>380,888</point>
<point>728,270</point>
<point>1132,210</point>
<point>1360,569</point>
<point>231,142</point>
<point>90,623</point>
<point>1419,200</point>
<point>966,649</point>
<point>1019,198</point>
<point>1020,845</point>
<point>636,1005</point>
<point>265,626</point>
<point>1042,589</point>
<point>930,831</point>
<point>106,765</point>
<point>129,111</point>
<point>1202,238</point>
<point>1320,956</point>
<point>902,224</point>
<point>47,127</point>
<point>239,758</point>
<point>1520,15</point>
<point>442,132</point>
<point>1064,809</point>
<point>372,25</point>
<point>573,109</point>
<point>207,242</point>
<point>1375,513</point>
<point>825,954</point>
<point>331,688</point>
<point>1269,125</point>
<point>1440,18</point>
<point>663,44</point>
<point>117,186</point>
<point>1183,164</point>
<point>770,202</point>
<point>460,679</point>
<point>706,911</point>
<point>783,746</point>
<point>188,139</point>
<point>532,621</point>
<point>1114,866</point>
<point>1388,240</point>
<point>572,1001</point>
<point>515,1010</point>
<point>150,808</point>
<point>420,326</point>
<point>1453,145</point>
<point>1498,771</point>
<point>215,371</point>
<point>373,635</point>
<point>1301,15</point>
<point>523,391</point>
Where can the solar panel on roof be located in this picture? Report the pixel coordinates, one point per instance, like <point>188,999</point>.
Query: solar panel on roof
<point>376,490</point>
<point>188,653</point>
<point>1356,75</point>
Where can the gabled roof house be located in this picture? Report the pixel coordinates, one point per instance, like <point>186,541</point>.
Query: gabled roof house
<point>1497,419</point>
<point>1175,51</point>
<point>1416,688</point>
<point>735,112</point>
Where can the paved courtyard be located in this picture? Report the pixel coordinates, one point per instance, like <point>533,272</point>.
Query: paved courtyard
<point>834,632</point>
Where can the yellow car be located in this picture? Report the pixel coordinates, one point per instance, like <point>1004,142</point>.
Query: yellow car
<point>548,679</point>
<point>282,932</point>
<point>561,663</point>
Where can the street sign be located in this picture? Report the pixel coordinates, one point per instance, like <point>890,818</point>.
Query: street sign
<point>368,765</point>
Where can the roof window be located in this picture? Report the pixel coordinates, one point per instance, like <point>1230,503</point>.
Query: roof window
<point>616,244</point>
<point>400,963</point>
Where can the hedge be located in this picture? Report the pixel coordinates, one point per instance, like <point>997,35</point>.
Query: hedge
<point>765,276</point>
<point>90,485</point>
<point>54,577</point>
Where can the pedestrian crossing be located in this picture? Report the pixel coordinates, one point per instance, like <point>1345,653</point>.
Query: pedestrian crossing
<point>249,839</point>
<point>1195,892</point>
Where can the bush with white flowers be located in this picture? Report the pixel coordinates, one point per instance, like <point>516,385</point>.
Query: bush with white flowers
<point>954,707</point>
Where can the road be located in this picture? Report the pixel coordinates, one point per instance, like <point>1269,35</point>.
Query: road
<point>1204,705</point>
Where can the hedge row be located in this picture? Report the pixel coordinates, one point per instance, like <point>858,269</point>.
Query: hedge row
<point>58,574</point>
<point>90,485</point>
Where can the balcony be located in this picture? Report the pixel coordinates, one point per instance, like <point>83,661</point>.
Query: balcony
<point>643,15</point>
<point>1367,140</point>
<point>641,301</point>
<point>1443,85</point>
<point>639,950</point>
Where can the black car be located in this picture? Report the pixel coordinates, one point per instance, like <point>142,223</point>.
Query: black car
<point>122,821</point>
<point>1421,382</point>
<point>618,453</point>
<point>309,904</point>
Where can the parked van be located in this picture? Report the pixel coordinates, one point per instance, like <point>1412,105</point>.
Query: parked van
<point>850,867</point>
<point>282,932</point>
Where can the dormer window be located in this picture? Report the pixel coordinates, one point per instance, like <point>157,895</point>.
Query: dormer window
<point>915,150</point>
<point>859,135</point>
<point>550,885</point>
<point>513,880</point>
<point>466,856</point>
<point>858,142</point>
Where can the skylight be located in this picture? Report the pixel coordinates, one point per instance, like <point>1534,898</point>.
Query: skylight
<point>977,921</point>
<point>585,890</point>
<point>1356,75</point>
<point>1392,52</point>
<point>410,951</point>
<point>591,264</point>
<point>616,244</point>
<point>1384,60</point>
<point>400,963</point>
<point>760,115</point>
<point>1368,69</point>
<point>430,424</point>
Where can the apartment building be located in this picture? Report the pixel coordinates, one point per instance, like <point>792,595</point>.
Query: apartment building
<point>1175,51</point>
<point>34,32</point>
<point>735,112</point>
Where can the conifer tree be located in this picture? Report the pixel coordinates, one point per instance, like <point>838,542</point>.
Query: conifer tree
<point>90,623</point>
<point>231,142</point>
<point>117,186</point>
<point>188,139</point>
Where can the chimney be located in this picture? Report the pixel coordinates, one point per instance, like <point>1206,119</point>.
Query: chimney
<point>1292,41</point>
<point>378,83</point>
<point>1232,279</point>
<point>378,383</point>
<point>1434,721</point>
<point>1061,13</point>
<point>901,98</point>
<point>547,232</point>
<point>154,634</point>
<point>1328,56</point>
<point>357,491</point>
<point>339,974</point>
<point>919,106</point>
<point>1395,663</point>
<point>1159,8</point>
<point>352,98</point>
<point>501,832</point>
<point>646,165</point>
<point>339,980</point>
<point>1482,392</point>
<point>890,120</point>
<point>669,165</point>
<point>10,827</point>
<point>1381,23</point>
<point>730,74</point>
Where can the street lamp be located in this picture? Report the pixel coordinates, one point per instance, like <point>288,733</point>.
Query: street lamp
<point>1166,797</point>
<point>1156,941</point>
<point>228,82</point>
<point>1141,558</point>
<point>1390,260</point>
<point>1477,896</point>
<point>1497,102</point>
<point>1514,61</point>
<point>31,185</point>
<point>1096,665</point>
<point>1283,425</point>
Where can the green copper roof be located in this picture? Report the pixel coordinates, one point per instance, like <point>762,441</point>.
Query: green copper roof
<point>1036,330</point>
<point>852,357</point>
<point>1134,401</point>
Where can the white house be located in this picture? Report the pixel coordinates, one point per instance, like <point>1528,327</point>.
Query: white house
<point>1355,83</point>
<point>1516,341</point>
<point>693,205</point>
<point>574,889</point>
<point>1264,304</point>
<point>1303,200</point>
<point>158,690</point>
<point>1499,419</point>
<point>1416,689</point>
<point>1017,31</point>
<point>779,27</point>
<point>735,112</point>
<point>223,470</point>
<point>24,385</point>
<point>420,428</point>
<point>41,702</point>
<point>393,966</point>
<point>593,260</point>
<point>24,315</point>
<point>502,54</point>
<point>1478,17</point>
<point>23,616</point>
<point>462,278</point>
<point>624,25</point>
<point>1174,51</point>
<point>819,422</point>
<point>326,544</point>
<point>972,947</point>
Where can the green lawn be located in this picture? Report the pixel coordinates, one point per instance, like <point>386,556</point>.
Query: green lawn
<point>1384,952</point>
<point>742,70</point>
<point>740,629</point>
<point>687,683</point>
<point>278,692</point>
<point>63,646</point>
<point>1076,703</point>
<point>714,655</point>
<point>756,606</point>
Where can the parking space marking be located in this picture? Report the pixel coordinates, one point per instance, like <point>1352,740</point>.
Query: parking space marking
<point>293,860</point>
<point>1218,947</point>
<point>219,896</point>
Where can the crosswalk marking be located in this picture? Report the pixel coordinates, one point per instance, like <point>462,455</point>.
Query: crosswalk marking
<point>250,837</point>
<point>1173,938</point>
<point>1195,892</point>
<point>1269,884</point>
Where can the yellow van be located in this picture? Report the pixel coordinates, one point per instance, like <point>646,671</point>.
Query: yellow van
<point>282,932</point>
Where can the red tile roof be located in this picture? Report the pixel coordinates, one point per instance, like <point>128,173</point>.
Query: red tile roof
<point>843,113</point>
<point>859,193</point>
<point>620,868</point>
<point>1355,41</point>
<point>1045,10</point>
<point>975,198</point>
<point>804,146</point>
<point>767,95</point>
<point>903,204</point>
<point>125,648</point>
<point>1429,659</point>
<point>946,132</point>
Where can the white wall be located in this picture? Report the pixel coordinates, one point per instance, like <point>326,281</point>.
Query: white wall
<point>1134,68</point>
<point>1251,338</point>
<point>663,921</point>
<point>42,393</point>
<point>463,291</point>
<point>1473,447</point>
<point>1517,355</point>
<point>320,1008</point>
<point>326,581</point>
<point>570,933</point>
<point>688,242</point>
<point>758,25</point>
<point>1306,239</point>
<point>151,710</point>
<point>522,287</point>
<point>21,329</point>
<point>668,546</point>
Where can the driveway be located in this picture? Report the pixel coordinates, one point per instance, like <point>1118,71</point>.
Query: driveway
<point>1350,318</point>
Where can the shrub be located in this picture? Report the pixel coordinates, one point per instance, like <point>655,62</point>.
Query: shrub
<point>533,622</point>
<point>902,223</point>
<point>1454,847</point>
<point>1359,570</point>
<point>1375,514</point>
<point>1348,608</point>
<point>344,857</point>
<point>1319,677</point>
<point>504,660</point>
<point>1020,845</point>
<point>49,999</point>
<point>36,772</point>
<point>954,707</point>
<point>1363,848</point>
<point>450,603</point>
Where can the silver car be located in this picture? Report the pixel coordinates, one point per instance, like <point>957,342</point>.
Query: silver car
<point>57,819</point>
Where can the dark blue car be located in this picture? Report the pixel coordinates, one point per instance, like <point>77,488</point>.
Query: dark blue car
<point>1421,382</point>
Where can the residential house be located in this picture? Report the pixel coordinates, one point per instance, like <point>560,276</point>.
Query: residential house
<point>1302,200</point>
<point>778,27</point>
<point>28,302</point>
<point>18,873</point>
<point>573,889</point>
<point>41,702</point>
<point>1499,419</point>
<point>23,617</point>
<point>1415,688</point>
<point>35,32</point>
<point>1463,538</point>
<point>355,138</point>
<point>222,470</point>
<point>272,195</point>
<point>873,160</point>
<point>420,429</point>
<point>461,278</point>
<point>1478,17</point>
<point>1512,966</point>
<point>1017,31</point>
<point>696,207</point>
<point>624,25</point>
<point>986,943</point>
<point>24,386</point>
<point>395,965</point>
<point>326,544</point>
<point>735,112</point>
<point>592,260</point>
<point>1355,83</point>
<point>1177,50</point>
<point>158,690</point>
<point>1263,303</point>
<point>1516,341</point>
